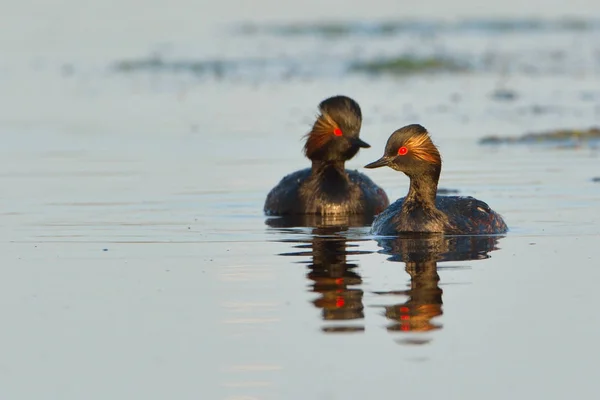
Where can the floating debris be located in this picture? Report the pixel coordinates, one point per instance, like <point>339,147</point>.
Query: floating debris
<point>572,137</point>
<point>408,65</point>
<point>447,191</point>
<point>596,179</point>
<point>504,95</point>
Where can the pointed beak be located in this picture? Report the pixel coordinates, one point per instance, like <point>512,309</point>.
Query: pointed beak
<point>382,162</point>
<point>360,143</point>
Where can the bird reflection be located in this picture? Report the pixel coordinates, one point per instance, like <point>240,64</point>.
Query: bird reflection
<point>331,275</point>
<point>330,241</point>
<point>421,253</point>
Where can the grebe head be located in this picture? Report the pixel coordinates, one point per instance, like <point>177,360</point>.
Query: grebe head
<point>335,133</point>
<point>410,150</point>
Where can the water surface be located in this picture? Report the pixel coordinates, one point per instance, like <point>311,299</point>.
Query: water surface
<point>136,259</point>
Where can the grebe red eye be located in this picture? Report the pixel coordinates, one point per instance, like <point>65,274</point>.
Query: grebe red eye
<point>402,151</point>
<point>337,132</point>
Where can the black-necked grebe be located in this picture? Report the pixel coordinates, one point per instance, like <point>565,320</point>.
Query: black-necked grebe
<point>410,150</point>
<point>328,188</point>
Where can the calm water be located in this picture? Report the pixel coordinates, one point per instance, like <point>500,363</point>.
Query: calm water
<point>137,263</point>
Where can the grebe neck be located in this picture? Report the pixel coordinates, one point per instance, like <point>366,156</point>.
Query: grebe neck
<point>325,167</point>
<point>423,187</point>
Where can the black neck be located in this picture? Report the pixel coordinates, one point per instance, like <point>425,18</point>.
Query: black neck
<point>319,166</point>
<point>423,187</point>
<point>330,177</point>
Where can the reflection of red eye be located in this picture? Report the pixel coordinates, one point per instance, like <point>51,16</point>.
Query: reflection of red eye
<point>337,132</point>
<point>402,151</point>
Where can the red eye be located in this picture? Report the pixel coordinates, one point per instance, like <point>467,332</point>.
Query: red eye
<point>337,132</point>
<point>402,151</point>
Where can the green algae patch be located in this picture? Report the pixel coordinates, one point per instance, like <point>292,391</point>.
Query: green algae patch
<point>404,65</point>
<point>216,67</point>
<point>337,29</point>
<point>143,63</point>
<point>569,137</point>
<point>322,29</point>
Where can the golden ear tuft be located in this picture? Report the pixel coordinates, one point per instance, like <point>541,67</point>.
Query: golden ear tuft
<point>423,148</point>
<point>324,129</point>
<point>326,125</point>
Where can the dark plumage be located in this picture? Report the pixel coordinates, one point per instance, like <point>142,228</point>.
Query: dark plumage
<point>410,150</point>
<point>328,188</point>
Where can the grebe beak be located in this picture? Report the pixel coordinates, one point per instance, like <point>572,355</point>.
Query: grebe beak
<point>382,162</point>
<point>360,143</point>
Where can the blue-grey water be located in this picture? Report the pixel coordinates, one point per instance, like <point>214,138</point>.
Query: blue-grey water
<point>139,140</point>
